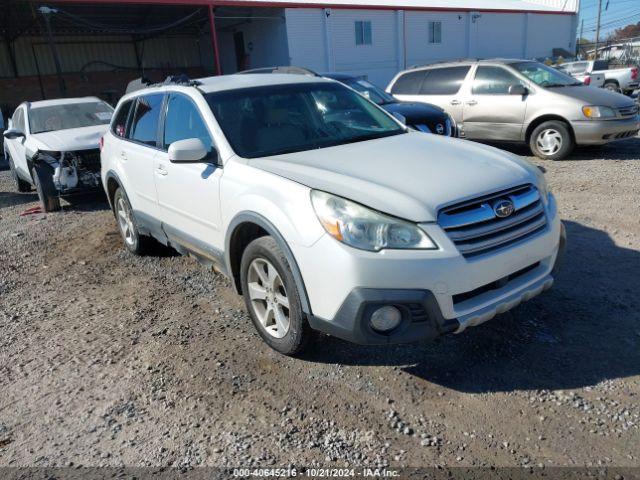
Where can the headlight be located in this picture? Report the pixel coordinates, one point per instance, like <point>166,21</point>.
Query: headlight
<point>598,112</point>
<point>363,228</point>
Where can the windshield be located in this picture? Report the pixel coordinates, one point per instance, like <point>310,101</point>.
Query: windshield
<point>72,115</point>
<point>544,76</point>
<point>278,119</point>
<point>370,91</point>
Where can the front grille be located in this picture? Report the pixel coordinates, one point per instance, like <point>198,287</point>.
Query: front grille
<point>628,111</point>
<point>475,228</point>
<point>461,297</point>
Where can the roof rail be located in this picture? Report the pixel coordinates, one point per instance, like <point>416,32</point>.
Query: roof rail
<point>282,69</point>
<point>440,62</point>
<point>143,82</point>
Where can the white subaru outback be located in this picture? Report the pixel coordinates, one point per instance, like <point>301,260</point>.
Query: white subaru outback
<point>325,211</point>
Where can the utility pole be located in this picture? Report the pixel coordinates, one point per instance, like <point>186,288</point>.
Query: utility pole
<point>46,13</point>
<point>580,38</point>
<point>598,29</point>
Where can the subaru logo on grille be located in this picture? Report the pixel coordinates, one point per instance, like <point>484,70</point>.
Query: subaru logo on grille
<point>439,129</point>
<point>503,208</point>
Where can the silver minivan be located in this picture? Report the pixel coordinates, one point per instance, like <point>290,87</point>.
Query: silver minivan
<point>521,101</point>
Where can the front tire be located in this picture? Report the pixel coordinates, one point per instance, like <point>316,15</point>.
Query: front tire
<point>21,185</point>
<point>551,140</point>
<point>47,192</point>
<point>133,240</point>
<point>272,298</point>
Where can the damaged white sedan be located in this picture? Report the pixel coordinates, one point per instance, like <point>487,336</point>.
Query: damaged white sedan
<point>53,145</point>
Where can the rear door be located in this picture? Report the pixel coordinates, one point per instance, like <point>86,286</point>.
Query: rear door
<point>439,86</point>
<point>137,154</point>
<point>188,193</point>
<point>490,112</point>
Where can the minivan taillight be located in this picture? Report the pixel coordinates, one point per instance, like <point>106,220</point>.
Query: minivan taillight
<point>101,143</point>
<point>587,80</point>
<point>634,73</point>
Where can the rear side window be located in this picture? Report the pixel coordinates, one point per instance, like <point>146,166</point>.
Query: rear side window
<point>444,81</point>
<point>493,81</point>
<point>119,125</point>
<point>600,65</point>
<point>409,83</point>
<point>183,120</point>
<point>144,125</point>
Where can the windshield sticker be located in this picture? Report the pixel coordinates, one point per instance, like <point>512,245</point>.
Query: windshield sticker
<point>103,115</point>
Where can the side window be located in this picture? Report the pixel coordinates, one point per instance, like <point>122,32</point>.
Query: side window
<point>409,83</point>
<point>493,81</point>
<point>444,81</point>
<point>119,124</point>
<point>183,120</point>
<point>144,125</point>
<point>363,33</point>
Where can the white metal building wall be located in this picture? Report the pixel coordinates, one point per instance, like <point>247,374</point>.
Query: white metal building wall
<point>324,39</point>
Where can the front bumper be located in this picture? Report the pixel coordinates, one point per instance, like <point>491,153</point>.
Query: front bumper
<point>599,132</point>
<point>422,317</point>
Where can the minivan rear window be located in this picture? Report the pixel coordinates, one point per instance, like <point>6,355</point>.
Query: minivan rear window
<point>119,124</point>
<point>444,81</point>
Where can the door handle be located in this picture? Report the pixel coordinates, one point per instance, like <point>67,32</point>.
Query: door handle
<point>472,102</point>
<point>123,155</point>
<point>455,102</point>
<point>161,171</point>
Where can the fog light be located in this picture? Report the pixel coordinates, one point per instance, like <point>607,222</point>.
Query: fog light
<point>386,318</point>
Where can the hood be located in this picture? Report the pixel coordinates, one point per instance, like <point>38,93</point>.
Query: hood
<point>594,96</point>
<point>410,176</point>
<point>416,112</point>
<point>66,140</point>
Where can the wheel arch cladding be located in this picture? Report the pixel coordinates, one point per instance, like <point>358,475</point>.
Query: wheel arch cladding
<point>243,229</point>
<point>113,183</point>
<point>548,118</point>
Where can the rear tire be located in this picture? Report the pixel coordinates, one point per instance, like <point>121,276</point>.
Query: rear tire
<point>21,185</point>
<point>133,240</point>
<point>272,297</point>
<point>551,140</point>
<point>612,87</point>
<point>47,192</point>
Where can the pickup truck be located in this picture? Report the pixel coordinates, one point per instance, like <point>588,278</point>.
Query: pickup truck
<point>624,80</point>
<point>580,71</point>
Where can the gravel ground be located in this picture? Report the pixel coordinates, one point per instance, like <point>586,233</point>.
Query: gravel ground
<point>109,360</point>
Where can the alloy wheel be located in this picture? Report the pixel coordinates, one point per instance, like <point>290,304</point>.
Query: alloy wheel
<point>125,222</point>
<point>268,297</point>
<point>549,141</point>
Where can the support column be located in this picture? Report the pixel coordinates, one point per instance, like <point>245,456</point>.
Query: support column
<point>214,40</point>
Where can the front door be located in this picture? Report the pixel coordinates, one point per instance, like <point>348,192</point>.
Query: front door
<point>489,111</point>
<point>16,147</point>
<point>188,193</point>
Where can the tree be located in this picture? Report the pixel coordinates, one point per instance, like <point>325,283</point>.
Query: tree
<point>630,31</point>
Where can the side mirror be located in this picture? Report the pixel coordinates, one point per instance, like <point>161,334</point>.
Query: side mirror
<point>518,89</point>
<point>191,150</point>
<point>401,118</point>
<point>13,133</point>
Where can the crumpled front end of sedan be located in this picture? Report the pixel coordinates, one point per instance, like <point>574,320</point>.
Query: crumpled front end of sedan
<point>71,172</point>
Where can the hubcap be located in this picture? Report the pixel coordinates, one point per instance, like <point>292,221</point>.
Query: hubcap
<point>125,222</point>
<point>268,297</point>
<point>549,141</point>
